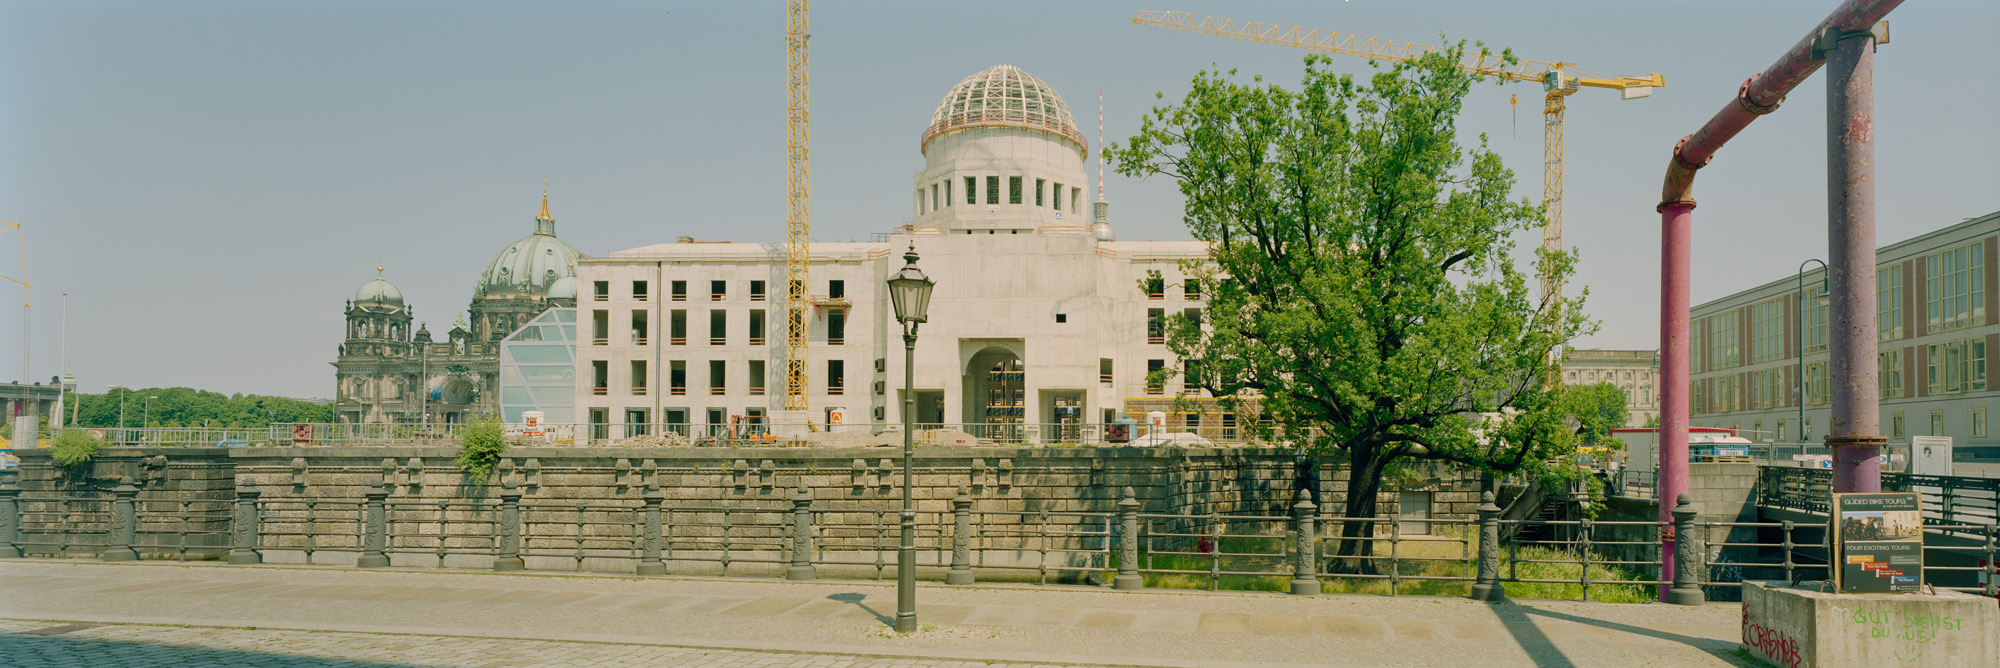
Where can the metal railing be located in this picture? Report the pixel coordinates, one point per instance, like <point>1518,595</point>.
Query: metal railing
<point>283,434</point>
<point>1947,500</point>
<point>1571,558</point>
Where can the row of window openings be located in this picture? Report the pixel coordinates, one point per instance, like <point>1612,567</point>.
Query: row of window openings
<point>718,328</point>
<point>1045,195</point>
<point>1898,427</point>
<point>1156,323</point>
<point>677,377</point>
<point>717,290</point>
<point>1955,298</point>
<point>1949,368</point>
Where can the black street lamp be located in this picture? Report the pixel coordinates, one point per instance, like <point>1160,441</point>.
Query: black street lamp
<point>1799,380</point>
<point>910,292</point>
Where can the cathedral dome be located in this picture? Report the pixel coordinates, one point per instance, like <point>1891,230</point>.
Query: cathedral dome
<point>1003,96</point>
<point>379,292</point>
<point>530,264</point>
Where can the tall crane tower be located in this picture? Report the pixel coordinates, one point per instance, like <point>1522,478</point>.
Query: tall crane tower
<point>1559,80</point>
<point>798,209</point>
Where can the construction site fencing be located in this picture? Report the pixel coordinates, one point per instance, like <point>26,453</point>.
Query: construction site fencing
<point>1305,550</point>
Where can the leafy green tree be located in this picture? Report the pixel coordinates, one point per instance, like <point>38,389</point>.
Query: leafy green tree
<point>1360,283</point>
<point>1599,409</point>
<point>194,408</point>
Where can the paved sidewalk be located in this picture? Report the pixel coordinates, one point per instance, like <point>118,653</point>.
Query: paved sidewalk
<point>517,619</point>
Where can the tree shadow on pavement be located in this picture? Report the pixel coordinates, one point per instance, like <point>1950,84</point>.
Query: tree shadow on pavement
<point>1530,637</point>
<point>1697,642</point>
<point>855,600</point>
<point>48,648</point>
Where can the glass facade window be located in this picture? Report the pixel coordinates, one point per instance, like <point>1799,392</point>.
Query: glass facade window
<point>1816,389</point>
<point>1937,423</point>
<point>1814,315</point>
<point>1013,190</point>
<point>992,190</point>
<point>1890,373</point>
<point>1728,393</point>
<point>1040,185</point>
<point>1955,287</point>
<point>538,369</point>
<point>971,197</point>
<point>1956,366</point>
<point>1896,425</point>
<point>1978,423</point>
<point>1768,390</point>
<point>1695,342</point>
<point>1722,339</point>
<point>1767,331</point>
<point>1889,302</point>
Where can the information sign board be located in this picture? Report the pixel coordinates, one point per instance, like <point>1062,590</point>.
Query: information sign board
<point>1880,541</point>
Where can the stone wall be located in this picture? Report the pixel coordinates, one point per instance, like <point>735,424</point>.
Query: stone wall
<point>586,501</point>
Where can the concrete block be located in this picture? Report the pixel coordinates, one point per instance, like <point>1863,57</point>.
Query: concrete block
<point>1804,628</point>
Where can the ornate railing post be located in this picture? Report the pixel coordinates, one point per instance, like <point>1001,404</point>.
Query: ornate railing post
<point>961,539</point>
<point>10,517</point>
<point>123,529</point>
<point>1487,586</point>
<point>1128,544</point>
<point>243,529</point>
<point>374,528</point>
<point>1305,570</point>
<point>649,535</point>
<point>509,558</point>
<point>802,567</point>
<point>1687,557</point>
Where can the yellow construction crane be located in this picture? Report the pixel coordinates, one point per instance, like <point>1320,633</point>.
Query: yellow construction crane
<point>1558,80</point>
<point>798,182</point>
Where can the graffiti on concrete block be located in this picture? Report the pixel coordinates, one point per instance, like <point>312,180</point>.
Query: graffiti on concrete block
<point>1913,631</point>
<point>1771,644</point>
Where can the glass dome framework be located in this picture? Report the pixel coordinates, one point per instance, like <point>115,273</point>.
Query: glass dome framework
<point>538,368</point>
<point>1004,96</point>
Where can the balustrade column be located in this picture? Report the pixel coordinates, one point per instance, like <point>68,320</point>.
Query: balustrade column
<point>801,568</point>
<point>1687,557</point>
<point>243,529</point>
<point>649,535</point>
<point>10,517</point>
<point>961,539</point>
<point>1128,544</point>
<point>1487,586</point>
<point>374,528</point>
<point>123,528</point>
<point>510,532</point>
<point>1305,570</point>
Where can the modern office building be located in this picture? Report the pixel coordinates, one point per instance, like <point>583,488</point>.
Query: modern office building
<point>1634,371</point>
<point>1759,354</point>
<point>1041,321</point>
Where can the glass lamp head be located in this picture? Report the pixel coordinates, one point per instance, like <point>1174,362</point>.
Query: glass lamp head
<point>910,290</point>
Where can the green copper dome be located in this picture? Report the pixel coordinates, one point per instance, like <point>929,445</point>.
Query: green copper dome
<point>379,292</point>
<point>530,264</point>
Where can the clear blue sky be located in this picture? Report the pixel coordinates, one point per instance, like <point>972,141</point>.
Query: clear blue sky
<point>210,180</point>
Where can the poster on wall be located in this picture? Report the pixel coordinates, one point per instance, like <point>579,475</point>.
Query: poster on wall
<point>1881,542</point>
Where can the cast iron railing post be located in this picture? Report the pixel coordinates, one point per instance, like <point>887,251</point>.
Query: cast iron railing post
<point>374,528</point>
<point>961,539</point>
<point>510,531</point>
<point>124,525</point>
<point>1992,567</point>
<point>1128,544</point>
<point>802,567</point>
<point>10,517</point>
<point>1687,556</point>
<point>1487,587</point>
<point>243,529</point>
<point>1305,570</point>
<point>649,535</point>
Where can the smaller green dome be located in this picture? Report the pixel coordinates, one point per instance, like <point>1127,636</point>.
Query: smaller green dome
<point>379,291</point>
<point>563,288</point>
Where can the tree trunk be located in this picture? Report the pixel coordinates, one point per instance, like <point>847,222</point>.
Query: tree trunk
<point>1357,545</point>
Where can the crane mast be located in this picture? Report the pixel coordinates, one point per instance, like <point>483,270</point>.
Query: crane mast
<point>798,225</point>
<point>1559,80</point>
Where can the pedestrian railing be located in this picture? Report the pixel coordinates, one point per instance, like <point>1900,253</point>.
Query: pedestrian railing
<point>1304,551</point>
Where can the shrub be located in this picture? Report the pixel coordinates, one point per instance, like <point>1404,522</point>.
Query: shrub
<point>479,448</point>
<point>75,447</point>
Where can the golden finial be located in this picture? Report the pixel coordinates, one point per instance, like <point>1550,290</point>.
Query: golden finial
<point>545,203</point>
<point>378,271</point>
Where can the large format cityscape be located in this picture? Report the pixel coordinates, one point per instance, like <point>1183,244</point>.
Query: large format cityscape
<point>1297,337</point>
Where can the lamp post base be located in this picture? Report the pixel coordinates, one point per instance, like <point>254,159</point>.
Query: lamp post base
<point>1489,592</point>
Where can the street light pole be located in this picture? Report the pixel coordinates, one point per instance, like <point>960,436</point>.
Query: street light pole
<point>1799,380</point>
<point>910,293</point>
<point>149,410</point>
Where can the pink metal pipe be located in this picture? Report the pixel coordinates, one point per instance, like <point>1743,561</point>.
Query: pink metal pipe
<point>1760,94</point>
<point>1675,235</point>
<point>1856,434</point>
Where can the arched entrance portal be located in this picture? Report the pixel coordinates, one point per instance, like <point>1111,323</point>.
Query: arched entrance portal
<point>996,394</point>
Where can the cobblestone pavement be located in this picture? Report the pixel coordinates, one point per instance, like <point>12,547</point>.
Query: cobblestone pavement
<point>32,644</point>
<point>461,615</point>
